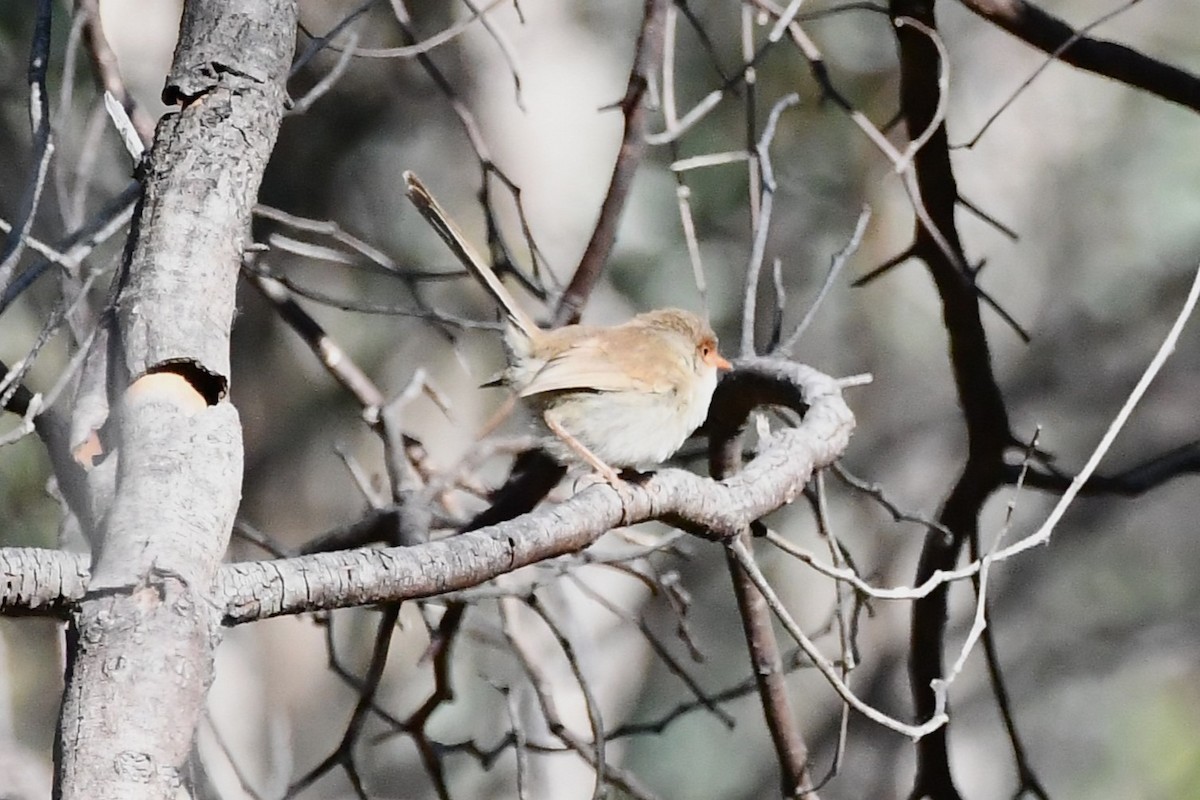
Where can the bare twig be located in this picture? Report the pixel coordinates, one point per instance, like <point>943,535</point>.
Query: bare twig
<point>343,755</point>
<point>335,360</point>
<point>1050,59</point>
<point>1048,33</point>
<point>598,759</point>
<point>425,45</point>
<point>108,71</point>
<point>1029,781</point>
<point>659,650</point>
<point>763,158</point>
<point>835,267</point>
<point>43,145</point>
<point>1042,534</point>
<point>682,190</point>
<point>647,56</point>
<point>545,698</point>
<point>488,168</point>
<point>328,80</point>
<point>827,668</point>
<point>112,219</point>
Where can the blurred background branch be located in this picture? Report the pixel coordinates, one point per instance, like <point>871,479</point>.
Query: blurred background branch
<point>368,429</point>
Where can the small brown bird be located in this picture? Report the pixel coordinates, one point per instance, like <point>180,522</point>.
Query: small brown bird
<point>614,397</point>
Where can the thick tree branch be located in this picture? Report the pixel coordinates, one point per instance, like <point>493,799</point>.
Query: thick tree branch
<point>979,394</point>
<point>258,590</point>
<point>142,640</point>
<point>37,581</point>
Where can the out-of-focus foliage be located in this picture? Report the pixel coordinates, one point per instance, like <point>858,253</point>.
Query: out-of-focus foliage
<point>1099,632</point>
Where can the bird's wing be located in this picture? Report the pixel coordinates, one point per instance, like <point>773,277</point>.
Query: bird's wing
<point>589,365</point>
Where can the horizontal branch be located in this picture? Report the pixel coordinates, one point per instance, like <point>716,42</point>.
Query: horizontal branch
<point>256,590</point>
<point>38,581</point>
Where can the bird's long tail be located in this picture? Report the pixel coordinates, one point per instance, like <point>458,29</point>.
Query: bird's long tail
<point>454,239</point>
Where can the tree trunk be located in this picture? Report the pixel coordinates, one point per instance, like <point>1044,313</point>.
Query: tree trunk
<point>140,647</point>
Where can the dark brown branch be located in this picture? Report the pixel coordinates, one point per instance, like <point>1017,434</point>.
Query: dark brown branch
<point>1048,33</point>
<point>793,661</point>
<point>979,395</point>
<point>598,758</point>
<point>633,144</point>
<point>885,267</point>
<point>440,647</point>
<point>659,649</point>
<point>366,307</point>
<point>333,358</point>
<point>766,662</point>
<point>343,754</point>
<point>488,168</point>
<point>588,751</point>
<point>1137,480</point>
<point>1029,783</point>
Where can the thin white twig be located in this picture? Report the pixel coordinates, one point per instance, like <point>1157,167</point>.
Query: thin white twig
<point>1042,534</point>
<point>25,426</point>
<point>785,19</point>
<point>697,113</point>
<point>824,665</point>
<point>330,79</point>
<point>683,192</point>
<point>711,160</point>
<point>425,45</point>
<point>124,125</point>
<point>943,83</point>
<point>851,577</point>
<point>759,246</point>
<point>839,260</point>
<point>1050,59</point>
<point>46,251</point>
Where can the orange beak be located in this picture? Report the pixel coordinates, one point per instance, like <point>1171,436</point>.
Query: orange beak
<point>717,360</point>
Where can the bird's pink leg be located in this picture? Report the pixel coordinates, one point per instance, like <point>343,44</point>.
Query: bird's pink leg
<point>605,471</point>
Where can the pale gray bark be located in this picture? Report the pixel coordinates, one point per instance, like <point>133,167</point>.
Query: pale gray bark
<point>257,590</point>
<point>141,642</point>
<point>40,581</point>
<point>251,591</point>
<point>145,619</point>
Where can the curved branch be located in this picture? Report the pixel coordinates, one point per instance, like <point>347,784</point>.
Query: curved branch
<point>255,590</point>
<point>979,394</point>
<point>258,590</point>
